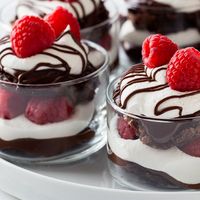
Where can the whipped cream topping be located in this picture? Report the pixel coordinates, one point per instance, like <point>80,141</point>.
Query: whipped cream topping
<point>144,91</point>
<point>79,9</point>
<point>130,36</point>
<point>64,55</point>
<point>172,161</point>
<point>21,128</point>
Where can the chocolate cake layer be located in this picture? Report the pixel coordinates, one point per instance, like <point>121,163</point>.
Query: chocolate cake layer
<point>161,18</point>
<point>46,147</point>
<point>137,175</point>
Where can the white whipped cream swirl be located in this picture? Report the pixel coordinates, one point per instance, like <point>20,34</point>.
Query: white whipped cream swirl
<point>63,54</point>
<point>144,91</point>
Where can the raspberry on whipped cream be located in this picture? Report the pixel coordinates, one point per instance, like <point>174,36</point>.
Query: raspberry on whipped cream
<point>49,89</point>
<point>153,119</point>
<point>36,48</point>
<point>98,19</point>
<point>67,18</point>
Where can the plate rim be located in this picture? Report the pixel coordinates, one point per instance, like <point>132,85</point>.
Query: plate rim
<point>41,177</point>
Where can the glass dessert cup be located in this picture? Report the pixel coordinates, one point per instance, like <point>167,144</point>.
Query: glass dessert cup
<point>105,33</point>
<point>178,21</point>
<point>74,138</point>
<point>154,159</point>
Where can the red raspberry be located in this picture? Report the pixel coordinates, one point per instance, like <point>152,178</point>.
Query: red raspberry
<point>183,70</point>
<point>157,50</point>
<point>31,35</point>
<point>193,148</point>
<point>126,129</point>
<point>59,20</point>
<point>49,110</point>
<point>11,104</point>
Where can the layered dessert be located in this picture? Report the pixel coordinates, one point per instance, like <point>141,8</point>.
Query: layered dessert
<point>177,19</point>
<point>153,119</point>
<point>97,22</point>
<point>49,87</point>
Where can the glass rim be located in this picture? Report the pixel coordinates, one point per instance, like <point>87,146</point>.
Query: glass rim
<point>110,20</point>
<point>103,67</point>
<point>109,92</point>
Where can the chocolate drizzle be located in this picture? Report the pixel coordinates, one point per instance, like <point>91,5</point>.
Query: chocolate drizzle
<point>95,4</point>
<point>46,72</point>
<point>179,108</point>
<point>139,74</point>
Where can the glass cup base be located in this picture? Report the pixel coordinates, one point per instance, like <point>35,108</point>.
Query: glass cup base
<point>133,181</point>
<point>93,145</point>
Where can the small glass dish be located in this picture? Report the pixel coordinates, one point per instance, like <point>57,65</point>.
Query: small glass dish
<point>177,20</point>
<point>154,159</point>
<point>105,33</point>
<point>77,137</point>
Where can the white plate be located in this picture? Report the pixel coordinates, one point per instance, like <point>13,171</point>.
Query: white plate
<point>4,196</point>
<point>88,179</point>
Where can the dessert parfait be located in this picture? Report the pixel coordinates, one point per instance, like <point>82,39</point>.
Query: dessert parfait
<point>50,90</point>
<point>154,119</point>
<point>177,19</point>
<point>98,19</point>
